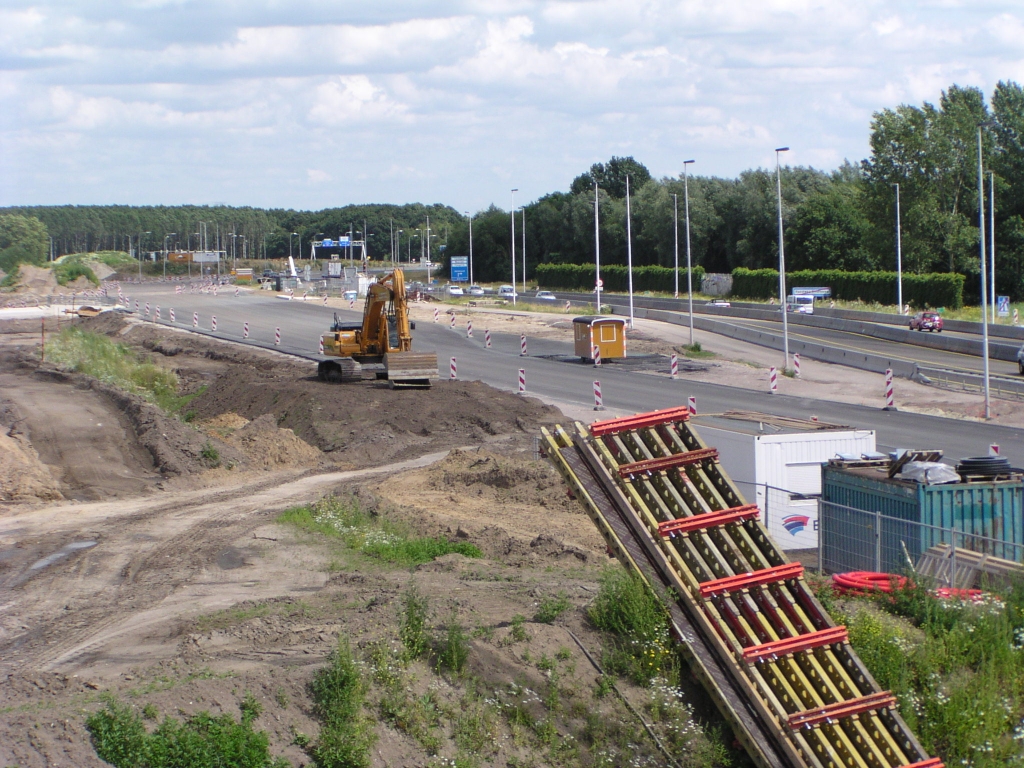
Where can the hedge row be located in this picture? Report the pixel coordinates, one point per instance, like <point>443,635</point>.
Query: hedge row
<point>932,290</point>
<point>581,277</point>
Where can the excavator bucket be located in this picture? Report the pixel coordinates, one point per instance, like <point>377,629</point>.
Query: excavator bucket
<point>411,369</point>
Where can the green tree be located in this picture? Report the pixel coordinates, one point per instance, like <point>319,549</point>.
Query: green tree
<point>611,177</point>
<point>23,240</point>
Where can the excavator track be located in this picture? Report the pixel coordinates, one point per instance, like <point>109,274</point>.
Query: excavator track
<point>780,671</point>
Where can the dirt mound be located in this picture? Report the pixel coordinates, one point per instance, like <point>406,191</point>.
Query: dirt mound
<point>368,423</point>
<point>23,477</point>
<point>266,445</point>
<point>466,469</point>
<point>36,280</point>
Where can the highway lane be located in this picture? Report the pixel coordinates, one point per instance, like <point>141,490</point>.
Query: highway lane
<point>301,324</point>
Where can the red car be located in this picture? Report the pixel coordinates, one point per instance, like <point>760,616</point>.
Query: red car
<point>926,321</point>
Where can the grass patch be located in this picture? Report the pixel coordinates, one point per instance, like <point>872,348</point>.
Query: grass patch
<point>956,668</point>
<point>69,272</point>
<point>695,351</point>
<point>640,647</point>
<point>102,358</point>
<point>112,259</point>
<point>551,608</point>
<point>200,741</point>
<point>345,520</point>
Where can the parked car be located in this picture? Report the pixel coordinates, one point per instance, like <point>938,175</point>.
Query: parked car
<point>476,290</point>
<point>926,321</point>
<point>719,303</point>
<point>1020,359</point>
<point>455,290</point>
<point>546,296</point>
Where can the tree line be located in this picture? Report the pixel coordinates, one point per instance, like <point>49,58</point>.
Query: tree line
<point>844,219</point>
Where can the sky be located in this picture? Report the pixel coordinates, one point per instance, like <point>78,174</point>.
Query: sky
<point>312,104</point>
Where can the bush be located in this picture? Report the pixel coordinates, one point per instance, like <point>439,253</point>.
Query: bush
<point>943,289</point>
<point>582,277</point>
<point>68,273</point>
<point>201,741</point>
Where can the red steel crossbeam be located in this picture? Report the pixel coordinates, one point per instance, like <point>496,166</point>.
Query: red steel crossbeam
<point>639,421</point>
<point>764,576</point>
<point>708,520</point>
<point>795,644</point>
<point>668,462</point>
<point>840,709</point>
<point>930,763</point>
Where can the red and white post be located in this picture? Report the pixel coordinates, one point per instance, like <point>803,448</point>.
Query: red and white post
<point>568,304</point>
<point>325,301</point>
<point>890,400</point>
<point>171,310</point>
<point>236,291</point>
<point>522,381</point>
<point>158,312</point>
<point>351,303</point>
<point>452,323</point>
<point>796,363</point>
<point>674,366</point>
<point>522,345</point>
<point>436,314</point>
<point>321,345</point>
<point>598,399</point>
<point>691,404</point>
<point>195,319</point>
<point>469,329</point>
<point>1016,317</point>
<point>213,323</point>
<point>245,330</point>
<point>487,339</point>
<point>596,354</point>
<point>453,371</point>
<point>773,380</point>
<point>277,336</point>
<point>147,309</point>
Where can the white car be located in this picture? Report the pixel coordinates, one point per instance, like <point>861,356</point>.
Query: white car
<point>719,303</point>
<point>507,292</point>
<point>455,290</point>
<point>476,290</point>
<point>546,296</point>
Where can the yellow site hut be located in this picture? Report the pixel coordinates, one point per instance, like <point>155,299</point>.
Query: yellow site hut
<point>606,333</point>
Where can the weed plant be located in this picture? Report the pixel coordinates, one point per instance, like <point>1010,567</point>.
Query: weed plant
<point>68,273</point>
<point>345,520</point>
<point>413,630</point>
<point>551,608</point>
<point>98,356</point>
<point>453,649</point>
<point>200,741</point>
<point>957,669</point>
<point>338,691</point>
<point>640,647</point>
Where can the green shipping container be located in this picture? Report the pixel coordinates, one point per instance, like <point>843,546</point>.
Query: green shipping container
<point>851,540</point>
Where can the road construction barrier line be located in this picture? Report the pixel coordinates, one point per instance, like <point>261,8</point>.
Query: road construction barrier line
<point>773,380</point>
<point>736,592</point>
<point>522,345</point>
<point>487,339</point>
<point>452,371</point>
<point>890,400</point>
<point>245,330</point>
<point>522,381</point>
<point>277,336</point>
<point>598,397</point>
<point>674,367</point>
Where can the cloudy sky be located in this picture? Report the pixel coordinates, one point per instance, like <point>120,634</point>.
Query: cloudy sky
<point>320,103</point>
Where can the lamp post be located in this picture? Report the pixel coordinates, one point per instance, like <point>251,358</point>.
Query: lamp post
<point>782,263</point>
<point>470,217</point>
<point>689,265</point>
<point>514,246</point>
<point>629,254</point>
<point>140,252</point>
<point>597,250</point>
<point>984,271</point>
<point>899,253</point>
<point>290,236</point>
<point>523,212</point>
<point>169,234</point>
<point>398,246</point>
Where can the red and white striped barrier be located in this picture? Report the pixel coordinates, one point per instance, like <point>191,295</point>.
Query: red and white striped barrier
<point>1016,318</point>
<point>291,293</point>
<point>177,289</point>
<point>436,314</point>
<point>351,303</point>
<point>147,309</point>
<point>277,336</point>
<point>596,355</point>
<point>487,339</point>
<point>469,329</point>
<point>452,323</point>
<point>245,330</point>
<point>993,450</point>
<point>567,305</point>
<point>213,323</point>
<point>890,400</point>
<point>158,312</point>
<point>692,405</point>
<point>522,381</point>
<point>195,319</point>
<point>674,366</point>
<point>215,290</point>
<point>773,380</point>
<point>304,294</point>
<point>598,399</point>
<point>522,345</point>
<point>796,363</point>
<point>321,345</point>
<point>236,292</point>
<point>453,370</point>
<point>325,301</point>
<point>172,314</point>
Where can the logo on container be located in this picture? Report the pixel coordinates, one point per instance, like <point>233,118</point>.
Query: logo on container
<point>795,523</point>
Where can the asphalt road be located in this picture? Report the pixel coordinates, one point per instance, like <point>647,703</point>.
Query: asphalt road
<point>301,324</point>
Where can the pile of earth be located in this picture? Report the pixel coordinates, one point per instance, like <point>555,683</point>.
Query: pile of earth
<point>23,477</point>
<point>34,283</point>
<point>263,442</point>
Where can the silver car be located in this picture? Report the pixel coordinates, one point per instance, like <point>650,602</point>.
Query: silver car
<point>1020,359</point>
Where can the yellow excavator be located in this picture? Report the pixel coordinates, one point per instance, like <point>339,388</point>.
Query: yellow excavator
<point>381,344</point>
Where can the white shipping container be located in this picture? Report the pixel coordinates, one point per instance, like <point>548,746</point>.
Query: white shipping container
<point>776,464</point>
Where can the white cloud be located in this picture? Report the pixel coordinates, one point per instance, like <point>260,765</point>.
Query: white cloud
<point>450,100</point>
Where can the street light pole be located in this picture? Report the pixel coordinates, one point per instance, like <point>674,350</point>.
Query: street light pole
<point>689,264</point>
<point>899,253</point>
<point>984,275</point>
<point>782,263</point>
<point>514,246</point>
<point>629,254</point>
<point>470,248</point>
<point>675,248</point>
<point>597,249</point>
<point>523,211</point>
<point>165,250</point>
